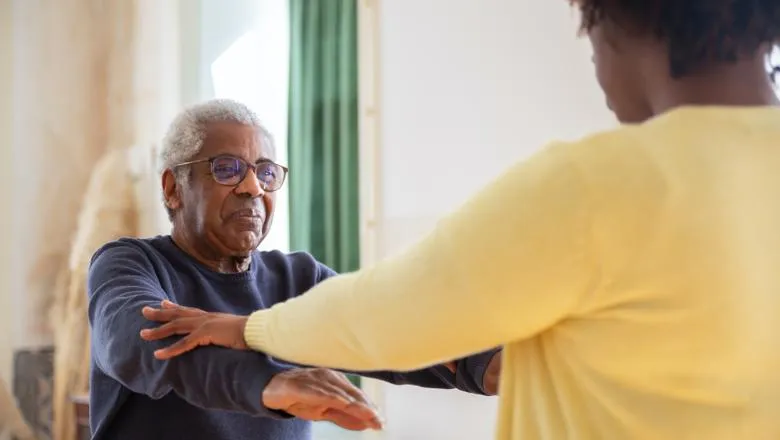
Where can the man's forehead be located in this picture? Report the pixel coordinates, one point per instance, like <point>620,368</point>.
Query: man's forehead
<point>237,139</point>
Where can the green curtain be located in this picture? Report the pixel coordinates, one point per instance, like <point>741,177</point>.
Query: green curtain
<point>323,131</point>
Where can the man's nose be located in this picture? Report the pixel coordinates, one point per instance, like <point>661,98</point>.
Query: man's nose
<point>250,186</point>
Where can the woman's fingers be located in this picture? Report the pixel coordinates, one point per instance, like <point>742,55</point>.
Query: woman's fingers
<point>169,311</point>
<point>178,348</point>
<point>178,326</point>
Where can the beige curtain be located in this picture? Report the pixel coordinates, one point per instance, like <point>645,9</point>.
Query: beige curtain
<point>92,84</point>
<point>73,102</point>
<point>110,211</point>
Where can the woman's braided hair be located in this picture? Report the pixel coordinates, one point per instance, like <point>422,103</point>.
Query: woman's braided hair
<point>697,32</point>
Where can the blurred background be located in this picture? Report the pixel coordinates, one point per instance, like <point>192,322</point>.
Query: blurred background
<point>440,96</point>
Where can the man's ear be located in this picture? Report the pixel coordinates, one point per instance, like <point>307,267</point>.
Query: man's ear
<point>170,190</point>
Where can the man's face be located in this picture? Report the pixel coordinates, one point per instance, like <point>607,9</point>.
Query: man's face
<point>226,220</point>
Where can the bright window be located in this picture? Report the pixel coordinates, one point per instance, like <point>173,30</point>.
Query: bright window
<point>254,70</point>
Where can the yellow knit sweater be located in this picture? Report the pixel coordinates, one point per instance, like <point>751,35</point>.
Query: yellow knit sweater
<point>633,278</point>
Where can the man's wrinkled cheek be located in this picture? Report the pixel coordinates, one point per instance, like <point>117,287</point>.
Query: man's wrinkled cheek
<point>219,203</point>
<point>270,205</point>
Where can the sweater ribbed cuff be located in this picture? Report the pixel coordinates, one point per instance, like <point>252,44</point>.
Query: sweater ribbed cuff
<point>255,331</point>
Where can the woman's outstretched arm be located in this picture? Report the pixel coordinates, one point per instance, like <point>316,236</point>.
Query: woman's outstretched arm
<point>508,265</point>
<point>512,262</point>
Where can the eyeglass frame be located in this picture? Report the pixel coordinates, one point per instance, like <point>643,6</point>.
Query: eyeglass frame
<point>250,166</point>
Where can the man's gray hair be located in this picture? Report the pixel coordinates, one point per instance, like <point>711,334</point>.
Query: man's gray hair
<point>187,132</point>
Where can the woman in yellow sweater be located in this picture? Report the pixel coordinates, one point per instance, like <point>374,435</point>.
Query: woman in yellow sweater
<point>633,277</point>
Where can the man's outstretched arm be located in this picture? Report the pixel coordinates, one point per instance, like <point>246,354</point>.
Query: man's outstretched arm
<point>121,281</point>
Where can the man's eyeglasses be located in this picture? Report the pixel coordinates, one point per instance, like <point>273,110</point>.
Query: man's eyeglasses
<point>231,171</point>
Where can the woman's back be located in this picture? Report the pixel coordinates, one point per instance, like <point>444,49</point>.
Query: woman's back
<point>676,334</point>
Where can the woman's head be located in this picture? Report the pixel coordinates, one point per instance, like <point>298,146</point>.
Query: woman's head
<point>647,49</point>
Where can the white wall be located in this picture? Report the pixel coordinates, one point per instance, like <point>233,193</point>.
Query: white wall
<point>7,313</point>
<point>465,88</point>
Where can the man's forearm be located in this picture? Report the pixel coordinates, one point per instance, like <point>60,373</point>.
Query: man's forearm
<point>471,375</point>
<point>210,377</point>
<point>437,376</point>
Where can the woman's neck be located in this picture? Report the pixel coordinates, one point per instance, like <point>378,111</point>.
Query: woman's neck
<point>743,84</point>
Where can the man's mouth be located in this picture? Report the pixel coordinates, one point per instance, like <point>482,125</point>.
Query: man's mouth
<point>248,214</point>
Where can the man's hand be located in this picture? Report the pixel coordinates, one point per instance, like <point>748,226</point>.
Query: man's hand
<point>200,328</point>
<point>492,375</point>
<point>321,394</point>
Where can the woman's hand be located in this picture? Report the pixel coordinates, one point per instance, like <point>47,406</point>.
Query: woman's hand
<point>198,326</point>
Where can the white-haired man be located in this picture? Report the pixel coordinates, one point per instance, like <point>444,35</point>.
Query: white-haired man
<point>218,186</point>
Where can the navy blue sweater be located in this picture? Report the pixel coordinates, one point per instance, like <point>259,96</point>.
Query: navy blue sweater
<point>212,392</point>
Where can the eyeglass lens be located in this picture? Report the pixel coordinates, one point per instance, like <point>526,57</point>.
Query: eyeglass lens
<point>228,170</point>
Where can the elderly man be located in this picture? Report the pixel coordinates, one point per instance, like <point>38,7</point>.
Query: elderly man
<point>218,185</point>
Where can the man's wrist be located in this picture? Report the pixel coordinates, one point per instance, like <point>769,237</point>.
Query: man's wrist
<point>265,383</point>
<point>472,372</point>
<point>279,413</point>
<point>452,366</point>
<point>491,374</point>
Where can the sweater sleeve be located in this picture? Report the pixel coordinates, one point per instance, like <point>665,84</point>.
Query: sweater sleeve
<point>121,281</point>
<point>469,374</point>
<point>512,262</point>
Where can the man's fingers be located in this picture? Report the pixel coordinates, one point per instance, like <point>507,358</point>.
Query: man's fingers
<point>362,407</point>
<point>357,405</point>
<point>183,345</point>
<point>333,396</point>
<point>326,395</point>
<point>335,405</point>
<point>346,421</point>
<point>304,411</point>
<point>348,387</point>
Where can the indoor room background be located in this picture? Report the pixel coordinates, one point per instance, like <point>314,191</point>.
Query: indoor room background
<point>449,93</point>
